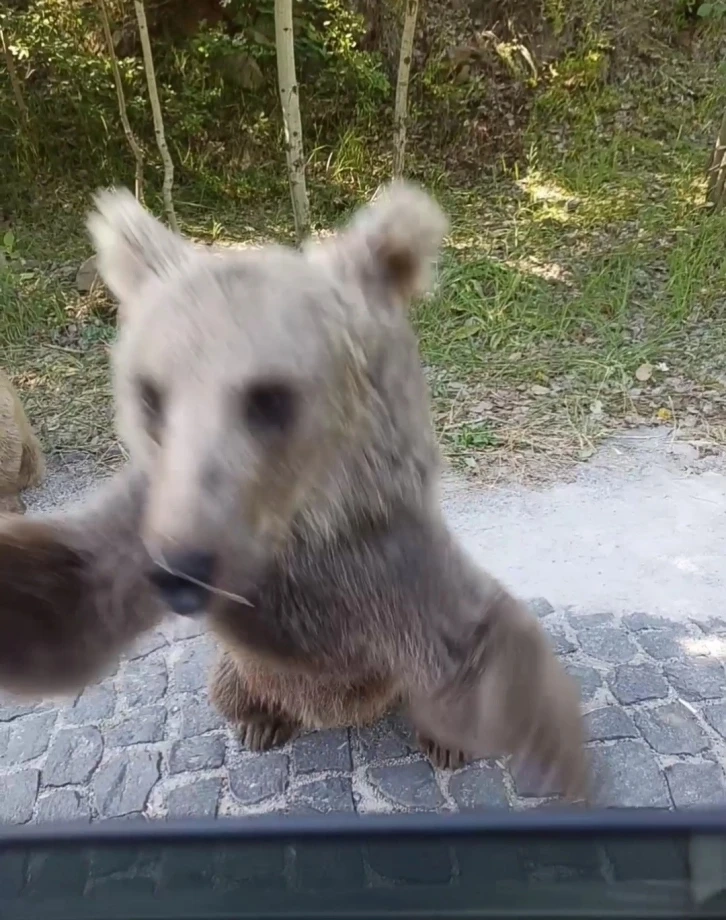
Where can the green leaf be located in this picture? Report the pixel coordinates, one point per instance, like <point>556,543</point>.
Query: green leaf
<point>9,240</point>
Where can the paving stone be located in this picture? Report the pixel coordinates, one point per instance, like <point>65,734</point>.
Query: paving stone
<point>627,776</point>
<point>198,716</point>
<point>322,750</point>
<point>73,756</point>
<point>205,752</point>
<point>29,737</point>
<point>607,643</point>
<point>389,738</point>
<point>588,620</point>
<point>478,785</point>
<point>713,626</point>
<point>715,714</point>
<point>144,726</point>
<point>93,706</point>
<point>609,724</point>
<point>411,785</point>
<point>636,683</point>
<point>628,771</point>
<point>540,607</point>
<point>588,679</point>
<point>698,678</point>
<point>323,796</point>
<point>696,785</point>
<point>12,708</point>
<point>198,798</point>
<point>560,643</point>
<point>145,645</point>
<point>191,671</point>
<point>531,781</point>
<point>62,805</point>
<point>144,682</point>
<point>123,784</point>
<point>661,644</point>
<point>259,777</point>
<point>179,628</point>
<point>672,729</point>
<point>19,791</point>
<point>640,621</point>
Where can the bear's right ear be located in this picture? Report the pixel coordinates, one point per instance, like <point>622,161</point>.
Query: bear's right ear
<point>393,242</point>
<point>131,244</point>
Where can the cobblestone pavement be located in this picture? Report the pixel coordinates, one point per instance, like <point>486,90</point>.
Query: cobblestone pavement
<point>147,742</point>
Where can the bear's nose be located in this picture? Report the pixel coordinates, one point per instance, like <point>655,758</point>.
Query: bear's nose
<point>183,584</point>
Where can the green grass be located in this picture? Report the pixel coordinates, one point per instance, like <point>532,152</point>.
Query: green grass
<point>597,258</point>
<point>562,277</point>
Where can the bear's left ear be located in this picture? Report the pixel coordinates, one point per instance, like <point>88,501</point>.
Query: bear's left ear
<point>131,244</point>
<point>394,241</point>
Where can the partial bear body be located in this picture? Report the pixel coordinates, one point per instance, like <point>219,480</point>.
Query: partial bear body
<point>284,482</point>
<point>22,465</point>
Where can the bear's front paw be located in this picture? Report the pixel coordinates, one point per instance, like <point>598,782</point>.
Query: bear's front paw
<point>49,642</point>
<point>42,577</point>
<point>264,733</point>
<point>443,758</point>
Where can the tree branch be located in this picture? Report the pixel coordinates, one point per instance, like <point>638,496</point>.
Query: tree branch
<point>290,100</point>
<point>14,80</point>
<point>157,114</point>
<point>130,136</point>
<point>400,114</point>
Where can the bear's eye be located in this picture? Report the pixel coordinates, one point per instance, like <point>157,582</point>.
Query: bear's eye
<point>151,405</point>
<point>269,407</point>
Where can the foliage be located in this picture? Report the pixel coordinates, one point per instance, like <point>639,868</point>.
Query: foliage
<point>714,10</point>
<point>217,88</point>
<point>567,139</point>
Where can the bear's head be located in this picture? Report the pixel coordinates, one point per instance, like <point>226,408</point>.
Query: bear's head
<point>240,375</point>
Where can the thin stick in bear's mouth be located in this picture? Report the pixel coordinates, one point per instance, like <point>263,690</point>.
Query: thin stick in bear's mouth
<point>161,563</point>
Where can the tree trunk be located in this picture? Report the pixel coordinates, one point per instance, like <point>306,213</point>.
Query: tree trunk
<point>290,100</point>
<point>400,114</point>
<point>716,171</point>
<point>158,117</point>
<point>130,136</point>
<point>14,80</point>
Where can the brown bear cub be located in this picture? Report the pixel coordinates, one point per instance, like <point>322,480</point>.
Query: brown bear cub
<point>283,481</point>
<point>22,465</point>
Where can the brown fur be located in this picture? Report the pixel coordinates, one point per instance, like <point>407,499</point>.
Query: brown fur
<point>74,590</point>
<point>22,465</point>
<point>242,681</point>
<point>343,592</point>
